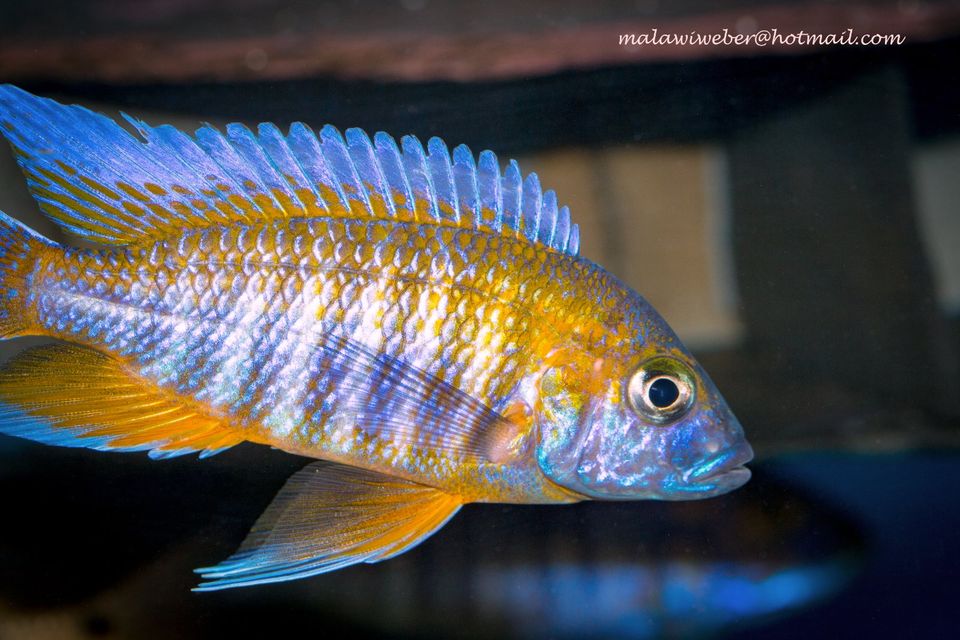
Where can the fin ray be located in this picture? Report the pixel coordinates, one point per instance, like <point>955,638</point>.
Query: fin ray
<point>330,516</point>
<point>72,396</point>
<point>115,188</point>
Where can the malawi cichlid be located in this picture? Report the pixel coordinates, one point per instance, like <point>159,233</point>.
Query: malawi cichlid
<point>418,321</point>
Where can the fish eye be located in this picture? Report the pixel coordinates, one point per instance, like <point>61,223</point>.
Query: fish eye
<point>663,392</point>
<point>661,389</point>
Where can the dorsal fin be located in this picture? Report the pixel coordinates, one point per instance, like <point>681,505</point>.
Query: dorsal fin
<point>104,184</point>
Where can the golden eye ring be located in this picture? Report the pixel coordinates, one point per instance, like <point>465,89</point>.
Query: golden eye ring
<point>661,389</point>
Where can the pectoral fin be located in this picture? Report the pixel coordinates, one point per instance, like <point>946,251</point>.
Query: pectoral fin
<point>330,516</point>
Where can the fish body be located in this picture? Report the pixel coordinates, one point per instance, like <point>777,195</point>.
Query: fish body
<point>419,322</point>
<point>238,320</point>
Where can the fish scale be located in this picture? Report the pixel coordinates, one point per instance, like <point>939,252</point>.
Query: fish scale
<point>262,284</point>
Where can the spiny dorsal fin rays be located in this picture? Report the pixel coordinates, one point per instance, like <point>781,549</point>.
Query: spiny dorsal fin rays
<point>532,200</point>
<point>561,234</point>
<point>368,169</point>
<point>191,159</point>
<point>548,218</point>
<point>106,185</point>
<point>445,191</point>
<point>266,179</point>
<point>490,188</point>
<point>176,149</point>
<point>335,150</point>
<point>398,183</point>
<point>275,144</point>
<point>511,188</point>
<point>465,182</point>
<point>304,147</point>
<point>421,182</point>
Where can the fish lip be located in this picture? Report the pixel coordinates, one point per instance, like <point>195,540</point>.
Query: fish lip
<point>729,464</point>
<point>714,485</point>
<point>727,480</point>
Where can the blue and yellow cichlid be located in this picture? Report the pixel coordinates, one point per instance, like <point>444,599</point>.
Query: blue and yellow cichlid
<point>418,321</point>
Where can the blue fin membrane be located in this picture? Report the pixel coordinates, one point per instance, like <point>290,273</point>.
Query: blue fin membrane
<point>329,516</point>
<point>106,185</point>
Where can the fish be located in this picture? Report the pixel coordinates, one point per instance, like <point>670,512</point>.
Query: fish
<point>418,321</point>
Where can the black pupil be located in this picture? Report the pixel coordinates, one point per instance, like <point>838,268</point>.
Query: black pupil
<point>663,393</point>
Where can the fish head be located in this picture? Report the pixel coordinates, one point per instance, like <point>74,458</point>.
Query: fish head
<point>645,425</point>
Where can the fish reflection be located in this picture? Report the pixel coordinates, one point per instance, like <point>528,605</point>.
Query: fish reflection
<point>676,598</point>
<point>600,570</point>
<point>614,571</point>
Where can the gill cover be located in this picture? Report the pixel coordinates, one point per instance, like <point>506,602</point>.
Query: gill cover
<point>568,399</point>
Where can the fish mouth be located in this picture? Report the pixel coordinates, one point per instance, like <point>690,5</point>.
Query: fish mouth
<point>725,481</point>
<point>724,471</point>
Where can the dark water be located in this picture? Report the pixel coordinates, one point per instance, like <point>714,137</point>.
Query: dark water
<point>905,505</point>
<point>818,540</point>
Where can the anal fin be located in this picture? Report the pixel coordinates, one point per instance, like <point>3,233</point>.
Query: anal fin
<point>73,396</point>
<point>330,516</point>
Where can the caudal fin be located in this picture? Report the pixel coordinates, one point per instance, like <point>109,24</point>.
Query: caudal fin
<point>19,249</point>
